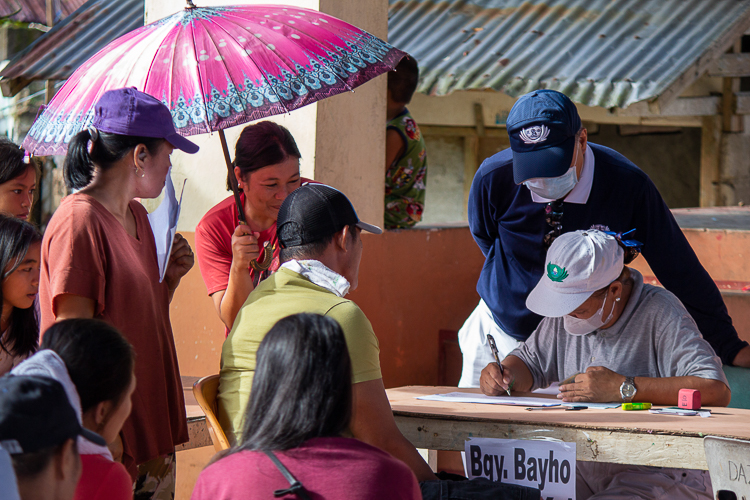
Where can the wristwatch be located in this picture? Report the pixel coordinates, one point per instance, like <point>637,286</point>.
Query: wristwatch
<point>628,390</point>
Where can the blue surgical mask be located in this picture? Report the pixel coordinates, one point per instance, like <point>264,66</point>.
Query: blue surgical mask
<point>554,188</point>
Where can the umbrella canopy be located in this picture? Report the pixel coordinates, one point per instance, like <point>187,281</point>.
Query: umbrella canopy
<point>219,67</point>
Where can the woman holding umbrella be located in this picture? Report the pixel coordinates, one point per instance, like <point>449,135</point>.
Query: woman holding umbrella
<point>266,166</point>
<point>99,261</point>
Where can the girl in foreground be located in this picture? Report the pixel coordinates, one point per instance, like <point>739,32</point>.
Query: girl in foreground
<point>20,250</point>
<point>94,363</point>
<point>300,405</point>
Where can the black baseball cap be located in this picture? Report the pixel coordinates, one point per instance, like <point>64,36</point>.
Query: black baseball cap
<point>314,211</point>
<point>35,414</point>
<point>542,126</point>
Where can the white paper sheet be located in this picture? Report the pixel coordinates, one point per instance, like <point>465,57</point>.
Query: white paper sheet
<point>163,222</point>
<point>470,397</point>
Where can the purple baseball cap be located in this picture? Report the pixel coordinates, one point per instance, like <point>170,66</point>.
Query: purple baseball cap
<point>131,112</point>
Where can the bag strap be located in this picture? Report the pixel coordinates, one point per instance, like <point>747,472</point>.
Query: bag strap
<point>295,487</point>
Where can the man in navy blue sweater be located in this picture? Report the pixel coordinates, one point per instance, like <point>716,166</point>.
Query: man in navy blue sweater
<point>550,181</point>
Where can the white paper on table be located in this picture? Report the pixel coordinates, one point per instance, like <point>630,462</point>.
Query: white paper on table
<point>470,397</point>
<point>163,222</point>
<point>552,390</point>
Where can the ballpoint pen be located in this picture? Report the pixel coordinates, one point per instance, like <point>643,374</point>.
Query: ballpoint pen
<point>493,347</point>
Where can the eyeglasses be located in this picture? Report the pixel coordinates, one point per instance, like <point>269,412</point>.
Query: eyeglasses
<point>553,213</point>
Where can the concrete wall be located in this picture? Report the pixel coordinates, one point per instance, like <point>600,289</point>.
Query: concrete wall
<point>412,284</point>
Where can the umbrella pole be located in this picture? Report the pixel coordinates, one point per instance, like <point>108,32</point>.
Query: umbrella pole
<point>232,179</point>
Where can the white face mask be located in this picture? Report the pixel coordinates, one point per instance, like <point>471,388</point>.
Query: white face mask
<point>578,326</point>
<point>554,188</point>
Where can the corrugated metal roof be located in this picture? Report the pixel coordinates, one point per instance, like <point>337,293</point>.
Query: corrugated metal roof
<point>60,51</point>
<point>608,53</point>
<point>35,11</point>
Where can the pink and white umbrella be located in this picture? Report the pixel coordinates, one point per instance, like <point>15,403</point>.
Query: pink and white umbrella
<point>219,67</point>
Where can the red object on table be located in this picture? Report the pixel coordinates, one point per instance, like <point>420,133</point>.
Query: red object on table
<point>689,399</point>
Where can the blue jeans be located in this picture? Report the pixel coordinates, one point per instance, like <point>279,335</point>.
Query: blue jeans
<point>446,488</point>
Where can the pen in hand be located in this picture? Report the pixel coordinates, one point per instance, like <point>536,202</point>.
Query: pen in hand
<point>493,347</point>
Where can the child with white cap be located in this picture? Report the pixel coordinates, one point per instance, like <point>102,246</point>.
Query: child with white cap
<point>625,340</point>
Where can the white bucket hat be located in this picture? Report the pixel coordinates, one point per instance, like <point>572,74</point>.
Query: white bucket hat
<point>578,264</point>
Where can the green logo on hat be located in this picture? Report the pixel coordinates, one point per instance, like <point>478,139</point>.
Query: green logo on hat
<point>556,273</point>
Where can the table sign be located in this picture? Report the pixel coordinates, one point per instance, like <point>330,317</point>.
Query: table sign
<point>547,465</point>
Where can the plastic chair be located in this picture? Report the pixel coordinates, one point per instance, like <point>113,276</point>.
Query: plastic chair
<point>728,461</point>
<point>205,390</point>
<point>739,381</point>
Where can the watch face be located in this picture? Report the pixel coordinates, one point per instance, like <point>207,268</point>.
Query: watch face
<point>628,390</point>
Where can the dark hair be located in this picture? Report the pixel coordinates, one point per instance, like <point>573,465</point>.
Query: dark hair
<point>403,80</point>
<point>302,387</point>
<point>29,465</point>
<point>260,145</point>
<point>98,358</point>
<point>16,236</point>
<point>310,250</point>
<point>107,149</point>
<point>12,164</point>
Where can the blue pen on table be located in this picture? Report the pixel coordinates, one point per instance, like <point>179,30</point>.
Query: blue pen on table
<point>493,347</point>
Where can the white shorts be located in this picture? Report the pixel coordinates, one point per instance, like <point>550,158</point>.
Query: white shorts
<point>472,338</point>
<point>605,481</point>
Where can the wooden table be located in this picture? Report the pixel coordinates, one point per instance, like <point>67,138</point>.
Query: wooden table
<point>197,427</point>
<point>613,435</point>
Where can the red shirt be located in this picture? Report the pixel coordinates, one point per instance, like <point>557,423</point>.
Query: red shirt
<point>329,468</point>
<point>213,245</point>
<point>87,252</point>
<point>103,479</point>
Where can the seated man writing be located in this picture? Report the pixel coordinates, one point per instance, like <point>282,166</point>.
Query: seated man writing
<point>321,247</point>
<point>625,340</point>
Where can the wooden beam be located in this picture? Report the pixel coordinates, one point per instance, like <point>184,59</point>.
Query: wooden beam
<point>592,445</point>
<point>710,168</point>
<point>701,64</point>
<point>461,131</point>
<point>730,121</point>
<point>683,106</point>
<point>741,103</point>
<point>479,119</point>
<point>731,65</point>
<point>471,165</point>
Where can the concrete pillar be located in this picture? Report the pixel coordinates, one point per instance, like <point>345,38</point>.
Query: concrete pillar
<point>341,139</point>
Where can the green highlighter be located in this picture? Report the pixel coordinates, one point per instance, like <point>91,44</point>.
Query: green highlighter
<point>636,406</point>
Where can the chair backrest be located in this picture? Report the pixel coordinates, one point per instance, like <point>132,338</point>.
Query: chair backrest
<point>729,467</point>
<point>739,381</point>
<point>205,390</point>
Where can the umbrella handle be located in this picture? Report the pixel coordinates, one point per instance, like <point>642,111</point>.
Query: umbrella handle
<point>232,178</point>
<point>265,262</point>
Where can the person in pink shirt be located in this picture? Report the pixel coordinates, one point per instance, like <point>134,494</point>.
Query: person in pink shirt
<point>300,407</point>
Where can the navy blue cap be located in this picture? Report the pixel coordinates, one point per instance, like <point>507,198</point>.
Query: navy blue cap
<point>35,414</point>
<point>542,126</point>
